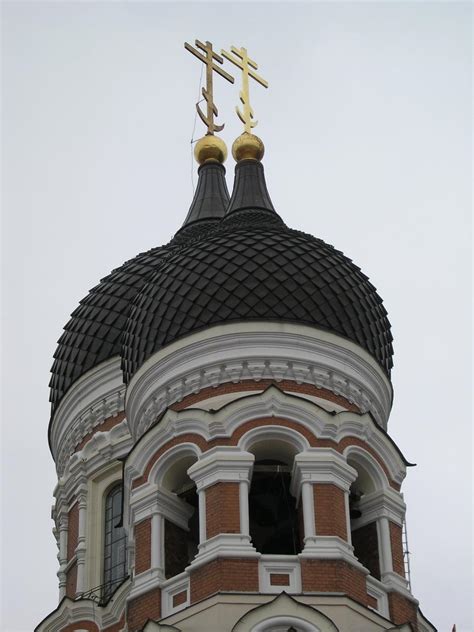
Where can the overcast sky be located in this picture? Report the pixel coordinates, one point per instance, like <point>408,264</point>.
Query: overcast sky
<point>367,131</point>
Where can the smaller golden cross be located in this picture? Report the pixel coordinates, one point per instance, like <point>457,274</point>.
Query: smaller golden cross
<point>241,59</point>
<point>207,92</point>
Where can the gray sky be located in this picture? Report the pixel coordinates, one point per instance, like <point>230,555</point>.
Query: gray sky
<point>367,133</point>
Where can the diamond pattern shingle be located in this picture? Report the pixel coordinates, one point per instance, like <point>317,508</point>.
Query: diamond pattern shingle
<point>248,266</point>
<point>251,269</point>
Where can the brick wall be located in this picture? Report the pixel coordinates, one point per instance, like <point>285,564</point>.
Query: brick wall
<point>334,576</point>
<point>397,548</point>
<point>330,510</point>
<point>402,610</point>
<point>71,581</point>
<point>142,546</point>
<point>144,607</point>
<point>224,575</point>
<point>366,548</point>
<point>72,530</point>
<point>222,509</point>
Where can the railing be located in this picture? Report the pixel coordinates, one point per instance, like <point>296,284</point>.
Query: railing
<point>406,553</point>
<point>102,594</point>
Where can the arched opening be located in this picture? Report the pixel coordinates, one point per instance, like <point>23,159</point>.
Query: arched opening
<point>364,534</point>
<point>273,515</point>
<point>181,535</point>
<point>115,539</point>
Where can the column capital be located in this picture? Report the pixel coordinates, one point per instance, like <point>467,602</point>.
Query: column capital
<point>222,464</point>
<point>321,465</point>
<point>383,503</point>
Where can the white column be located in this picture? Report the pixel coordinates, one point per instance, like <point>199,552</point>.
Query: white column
<point>223,464</point>
<point>157,543</point>
<point>244,507</point>
<point>81,543</point>
<point>348,517</point>
<point>307,498</point>
<point>385,547</point>
<point>62,556</point>
<point>202,515</point>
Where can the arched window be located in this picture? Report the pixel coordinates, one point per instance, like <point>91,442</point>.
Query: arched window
<point>115,563</point>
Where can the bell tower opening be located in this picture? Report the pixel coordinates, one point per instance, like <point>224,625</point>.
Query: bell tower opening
<point>181,540</point>
<point>364,534</point>
<point>273,514</point>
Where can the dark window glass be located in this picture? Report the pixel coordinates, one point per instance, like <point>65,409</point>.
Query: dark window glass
<point>115,567</point>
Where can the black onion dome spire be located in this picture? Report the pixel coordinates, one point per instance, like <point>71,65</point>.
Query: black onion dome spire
<point>250,189</point>
<point>209,204</point>
<point>254,268</point>
<point>94,332</point>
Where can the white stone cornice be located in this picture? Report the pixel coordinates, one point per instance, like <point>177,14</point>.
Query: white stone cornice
<point>330,547</point>
<point>236,352</point>
<point>383,503</point>
<point>393,582</point>
<point>223,464</point>
<point>321,465</point>
<point>224,545</point>
<point>149,499</point>
<point>211,425</point>
<point>70,611</point>
<point>95,396</point>
<point>102,448</point>
<point>144,582</point>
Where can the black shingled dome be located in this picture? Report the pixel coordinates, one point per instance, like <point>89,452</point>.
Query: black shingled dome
<point>248,266</point>
<point>94,333</point>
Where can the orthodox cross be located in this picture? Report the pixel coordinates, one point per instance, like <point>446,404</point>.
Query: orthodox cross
<point>239,57</point>
<point>207,92</point>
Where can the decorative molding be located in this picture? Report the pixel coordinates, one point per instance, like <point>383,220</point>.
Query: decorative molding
<point>96,396</point>
<point>282,565</point>
<point>212,425</point>
<point>223,545</point>
<point>282,612</point>
<point>377,590</point>
<point>103,448</point>
<point>394,582</point>
<point>222,464</point>
<point>383,503</point>
<point>321,465</point>
<point>70,611</point>
<point>144,582</point>
<point>149,499</point>
<point>171,588</point>
<point>236,352</point>
<point>330,547</point>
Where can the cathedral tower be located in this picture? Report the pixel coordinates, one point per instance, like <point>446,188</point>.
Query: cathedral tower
<point>219,428</point>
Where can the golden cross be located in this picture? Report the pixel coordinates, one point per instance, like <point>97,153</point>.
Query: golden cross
<point>242,61</point>
<point>207,92</point>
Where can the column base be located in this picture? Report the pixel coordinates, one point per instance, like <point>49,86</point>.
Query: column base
<point>224,545</point>
<point>394,582</point>
<point>328,547</point>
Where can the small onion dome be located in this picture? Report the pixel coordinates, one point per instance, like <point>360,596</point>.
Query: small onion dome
<point>252,267</point>
<point>94,332</point>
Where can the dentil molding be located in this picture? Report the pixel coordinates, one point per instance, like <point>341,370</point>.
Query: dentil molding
<point>235,352</point>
